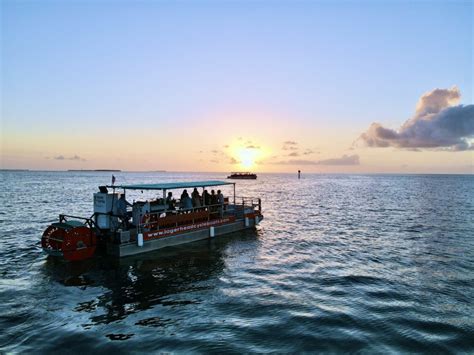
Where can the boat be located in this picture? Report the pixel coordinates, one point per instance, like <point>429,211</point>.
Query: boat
<point>241,175</point>
<point>149,225</point>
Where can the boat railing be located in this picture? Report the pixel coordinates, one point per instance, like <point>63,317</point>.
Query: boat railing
<point>253,202</point>
<point>63,218</point>
<point>183,216</point>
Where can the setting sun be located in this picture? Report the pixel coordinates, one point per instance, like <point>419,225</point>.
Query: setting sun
<point>247,157</point>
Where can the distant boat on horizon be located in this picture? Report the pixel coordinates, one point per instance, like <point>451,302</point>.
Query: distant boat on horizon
<point>240,175</point>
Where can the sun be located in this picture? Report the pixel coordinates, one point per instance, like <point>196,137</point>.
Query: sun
<point>247,157</point>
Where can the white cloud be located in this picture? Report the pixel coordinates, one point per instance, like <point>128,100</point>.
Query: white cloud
<point>436,124</point>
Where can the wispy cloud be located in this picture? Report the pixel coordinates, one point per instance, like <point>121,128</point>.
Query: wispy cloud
<point>74,157</point>
<point>252,146</point>
<point>344,160</point>
<point>437,124</point>
<point>293,154</point>
<point>290,145</point>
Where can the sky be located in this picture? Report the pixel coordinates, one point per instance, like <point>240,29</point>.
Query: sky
<point>267,86</point>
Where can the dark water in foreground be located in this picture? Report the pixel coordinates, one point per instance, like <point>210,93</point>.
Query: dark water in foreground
<point>340,263</point>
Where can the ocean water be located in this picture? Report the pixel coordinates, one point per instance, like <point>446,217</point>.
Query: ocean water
<point>341,263</point>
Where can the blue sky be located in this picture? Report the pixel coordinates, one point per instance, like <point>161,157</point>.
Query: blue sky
<point>335,65</point>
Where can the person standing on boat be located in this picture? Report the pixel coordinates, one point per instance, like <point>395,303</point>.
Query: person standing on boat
<point>206,198</point>
<point>220,201</point>
<point>122,204</point>
<point>213,201</point>
<point>196,198</point>
<point>213,198</point>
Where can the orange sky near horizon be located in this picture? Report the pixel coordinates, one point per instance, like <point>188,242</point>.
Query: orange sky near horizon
<point>222,153</point>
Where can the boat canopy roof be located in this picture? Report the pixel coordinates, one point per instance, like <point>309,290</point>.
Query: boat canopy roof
<point>172,185</point>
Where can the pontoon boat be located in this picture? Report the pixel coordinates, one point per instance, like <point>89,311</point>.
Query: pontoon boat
<point>152,224</point>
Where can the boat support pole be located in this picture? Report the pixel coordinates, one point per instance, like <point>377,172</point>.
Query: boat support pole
<point>234,193</point>
<point>164,200</point>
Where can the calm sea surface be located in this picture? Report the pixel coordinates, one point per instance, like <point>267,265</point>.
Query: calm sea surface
<point>340,263</point>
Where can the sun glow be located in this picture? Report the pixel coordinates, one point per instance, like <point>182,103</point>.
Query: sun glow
<point>247,157</point>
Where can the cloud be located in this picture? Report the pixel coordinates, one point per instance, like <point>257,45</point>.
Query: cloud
<point>251,146</point>
<point>233,161</point>
<point>214,161</point>
<point>74,157</point>
<point>308,152</point>
<point>437,124</point>
<point>344,160</point>
<point>290,145</point>
<point>436,100</point>
<point>294,154</point>
<point>226,146</point>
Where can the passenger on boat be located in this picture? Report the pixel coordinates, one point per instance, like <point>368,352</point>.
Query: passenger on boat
<point>170,201</point>
<point>213,201</point>
<point>122,204</point>
<point>186,202</point>
<point>220,201</point>
<point>206,198</point>
<point>196,198</point>
<point>213,198</point>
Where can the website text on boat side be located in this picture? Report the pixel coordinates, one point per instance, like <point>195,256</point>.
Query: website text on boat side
<point>120,228</point>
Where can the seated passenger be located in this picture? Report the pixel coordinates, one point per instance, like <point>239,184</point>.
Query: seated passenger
<point>170,201</point>
<point>186,201</point>
<point>184,195</point>
<point>220,197</point>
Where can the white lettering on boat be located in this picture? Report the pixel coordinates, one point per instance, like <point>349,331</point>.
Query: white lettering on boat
<point>181,229</point>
